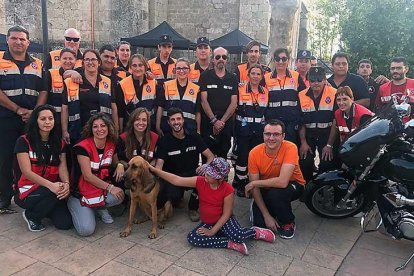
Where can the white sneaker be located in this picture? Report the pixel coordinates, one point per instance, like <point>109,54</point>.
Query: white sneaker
<point>105,216</point>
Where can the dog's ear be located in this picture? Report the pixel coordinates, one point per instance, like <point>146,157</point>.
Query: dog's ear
<point>148,179</point>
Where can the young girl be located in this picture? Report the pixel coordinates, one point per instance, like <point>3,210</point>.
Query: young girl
<point>219,227</point>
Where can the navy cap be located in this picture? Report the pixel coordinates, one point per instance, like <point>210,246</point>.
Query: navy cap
<point>165,39</point>
<point>304,54</point>
<point>203,41</point>
<point>317,71</point>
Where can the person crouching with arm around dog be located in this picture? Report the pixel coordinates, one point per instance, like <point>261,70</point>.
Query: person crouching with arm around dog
<point>43,178</point>
<point>93,190</point>
<point>219,228</point>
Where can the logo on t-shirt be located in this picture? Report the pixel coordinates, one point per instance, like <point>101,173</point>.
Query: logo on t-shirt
<point>57,58</point>
<point>191,92</point>
<point>105,85</point>
<point>34,65</point>
<point>148,89</point>
<point>328,100</point>
<point>371,89</point>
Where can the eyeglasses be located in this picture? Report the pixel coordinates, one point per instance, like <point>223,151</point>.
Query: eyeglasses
<point>270,134</point>
<point>137,65</point>
<point>283,59</point>
<point>224,57</point>
<point>90,60</point>
<point>182,69</point>
<point>316,79</point>
<point>74,39</point>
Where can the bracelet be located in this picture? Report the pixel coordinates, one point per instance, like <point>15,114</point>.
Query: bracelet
<point>329,146</point>
<point>213,120</point>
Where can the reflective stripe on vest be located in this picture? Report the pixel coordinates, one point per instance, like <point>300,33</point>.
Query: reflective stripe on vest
<point>249,119</point>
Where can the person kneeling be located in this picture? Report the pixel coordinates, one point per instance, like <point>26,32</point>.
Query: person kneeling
<point>219,228</point>
<point>275,180</point>
<point>93,190</point>
<point>43,179</point>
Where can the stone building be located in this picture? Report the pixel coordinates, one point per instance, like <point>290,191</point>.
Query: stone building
<point>276,23</point>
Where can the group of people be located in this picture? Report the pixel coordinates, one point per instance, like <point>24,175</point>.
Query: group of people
<point>73,123</point>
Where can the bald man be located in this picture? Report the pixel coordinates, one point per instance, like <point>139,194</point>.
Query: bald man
<point>72,41</point>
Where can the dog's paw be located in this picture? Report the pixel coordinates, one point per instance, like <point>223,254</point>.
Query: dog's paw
<point>152,235</point>
<point>161,225</point>
<point>125,233</point>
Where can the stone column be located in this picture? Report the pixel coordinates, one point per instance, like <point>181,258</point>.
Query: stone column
<point>284,25</point>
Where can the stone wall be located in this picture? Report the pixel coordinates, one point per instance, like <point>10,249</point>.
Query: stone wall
<point>254,19</point>
<point>273,22</point>
<point>211,18</point>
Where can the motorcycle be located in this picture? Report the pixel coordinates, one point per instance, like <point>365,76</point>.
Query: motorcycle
<point>379,176</point>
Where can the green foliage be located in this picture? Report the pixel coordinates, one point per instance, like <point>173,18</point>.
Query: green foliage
<point>378,30</point>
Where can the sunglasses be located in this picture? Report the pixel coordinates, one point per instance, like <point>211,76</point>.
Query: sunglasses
<point>316,79</point>
<point>283,59</point>
<point>270,134</point>
<point>74,39</point>
<point>224,57</point>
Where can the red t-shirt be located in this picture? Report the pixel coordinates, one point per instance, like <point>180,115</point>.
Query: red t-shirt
<point>211,201</point>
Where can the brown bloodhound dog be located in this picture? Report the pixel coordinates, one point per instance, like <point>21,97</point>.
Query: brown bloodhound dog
<point>144,187</point>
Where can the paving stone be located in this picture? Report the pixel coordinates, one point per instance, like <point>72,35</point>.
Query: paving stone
<point>93,255</point>
<point>266,262</point>
<point>179,271</point>
<point>12,262</point>
<point>210,261</point>
<point>114,268</point>
<point>146,259</point>
<point>298,268</point>
<point>341,228</point>
<point>21,234</point>
<point>101,231</point>
<point>397,248</point>
<point>173,243</point>
<point>40,268</point>
<point>321,258</point>
<point>241,271</point>
<point>6,244</point>
<point>331,243</point>
<point>369,263</point>
<point>51,247</point>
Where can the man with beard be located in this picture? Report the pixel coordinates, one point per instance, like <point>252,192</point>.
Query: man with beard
<point>399,86</point>
<point>123,51</point>
<point>317,104</point>
<point>21,90</point>
<point>72,41</point>
<point>178,152</point>
<point>219,91</point>
<point>253,56</point>
<point>341,77</point>
<point>203,52</point>
<point>365,71</point>
<point>303,65</point>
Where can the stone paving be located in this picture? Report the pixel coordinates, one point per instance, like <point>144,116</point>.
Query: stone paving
<point>320,247</point>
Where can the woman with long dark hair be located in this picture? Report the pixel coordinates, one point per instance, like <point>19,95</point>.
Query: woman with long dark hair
<point>42,176</point>
<point>138,139</point>
<point>93,189</point>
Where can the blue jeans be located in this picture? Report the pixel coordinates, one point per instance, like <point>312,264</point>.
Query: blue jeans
<point>84,217</point>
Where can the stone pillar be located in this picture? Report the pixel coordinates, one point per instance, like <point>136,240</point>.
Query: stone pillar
<point>303,28</point>
<point>284,25</point>
<point>3,27</point>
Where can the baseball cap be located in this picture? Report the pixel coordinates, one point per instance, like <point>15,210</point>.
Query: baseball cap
<point>165,39</point>
<point>203,41</point>
<point>218,168</point>
<point>304,54</point>
<point>317,72</point>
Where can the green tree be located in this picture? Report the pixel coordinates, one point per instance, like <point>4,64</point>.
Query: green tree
<point>378,30</point>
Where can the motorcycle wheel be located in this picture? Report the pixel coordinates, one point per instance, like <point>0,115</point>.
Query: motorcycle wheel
<point>322,200</point>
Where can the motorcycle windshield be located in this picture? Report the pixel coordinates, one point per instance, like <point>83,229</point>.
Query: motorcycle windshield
<point>358,150</point>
